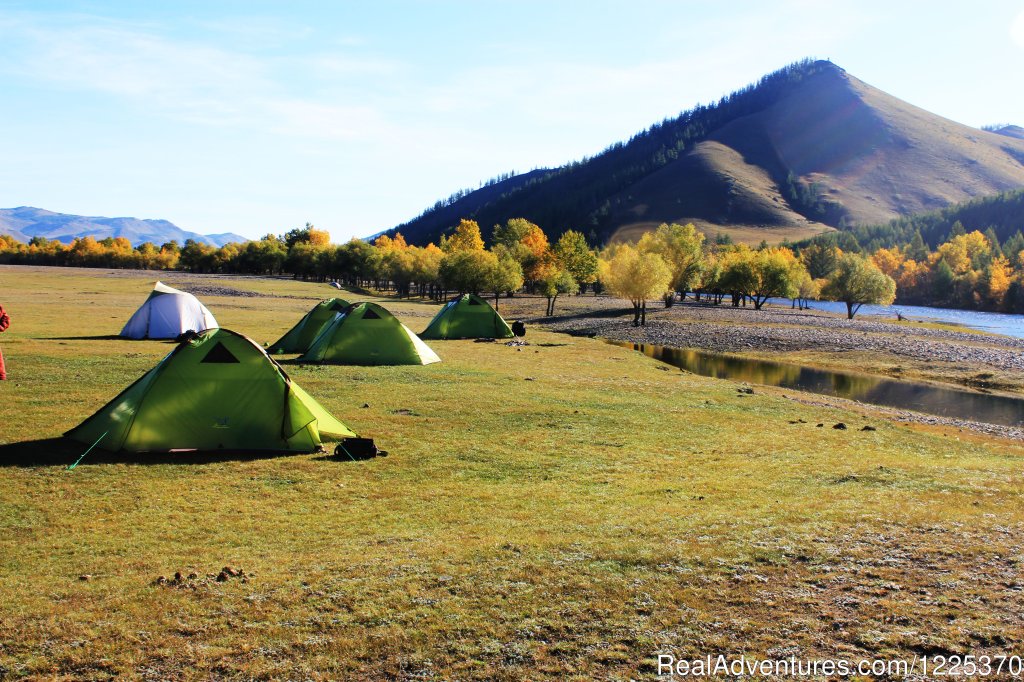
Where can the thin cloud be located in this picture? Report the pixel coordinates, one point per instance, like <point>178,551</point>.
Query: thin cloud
<point>1017,30</point>
<point>187,81</point>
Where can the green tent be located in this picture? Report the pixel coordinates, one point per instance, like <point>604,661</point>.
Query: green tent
<point>467,317</point>
<point>302,335</point>
<point>216,390</point>
<point>367,334</point>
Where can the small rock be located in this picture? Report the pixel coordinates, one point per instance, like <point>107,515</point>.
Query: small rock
<point>85,577</point>
<point>193,576</point>
<point>160,580</point>
<point>818,426</point>
<point>745,389</point>
<point>178,577</point>
<point>366,405</point>
<point>841,426</point>
<point>529,379</point>
<point>869,428</point>
<point>222,577</point>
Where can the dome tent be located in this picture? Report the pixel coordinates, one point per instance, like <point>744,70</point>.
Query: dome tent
<point>367,334</point>
<point>467,317</point>
<point>301,336</point>
<point>167,314</point>
<point>216,390</point>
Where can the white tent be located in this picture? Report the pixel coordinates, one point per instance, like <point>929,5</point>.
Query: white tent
<point>168,313</point>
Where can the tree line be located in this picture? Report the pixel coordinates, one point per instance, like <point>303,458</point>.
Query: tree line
<point>970,270</point>
<point>672,261</point>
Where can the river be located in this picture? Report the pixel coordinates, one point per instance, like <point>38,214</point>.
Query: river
<point>996,323</point>
<point>927,398</point>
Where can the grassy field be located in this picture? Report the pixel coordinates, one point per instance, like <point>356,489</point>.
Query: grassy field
<point>566,510</point>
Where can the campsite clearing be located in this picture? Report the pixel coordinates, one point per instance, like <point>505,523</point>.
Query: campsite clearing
<point>562,510</point>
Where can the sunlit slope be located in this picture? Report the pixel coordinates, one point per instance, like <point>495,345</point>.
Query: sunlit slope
<point>806,148</point>
<point>872,156</point>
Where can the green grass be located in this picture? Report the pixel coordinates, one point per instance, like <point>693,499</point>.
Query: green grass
<point>570,526</point>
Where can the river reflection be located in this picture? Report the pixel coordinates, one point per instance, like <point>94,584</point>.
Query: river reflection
<point>946,402</point>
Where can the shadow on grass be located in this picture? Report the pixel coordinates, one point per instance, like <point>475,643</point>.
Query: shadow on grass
<point>64,452</point>
<point>607,312</point>
<point>344,459</point>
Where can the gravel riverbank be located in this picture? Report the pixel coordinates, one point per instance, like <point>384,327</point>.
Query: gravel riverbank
<point>725,329</point>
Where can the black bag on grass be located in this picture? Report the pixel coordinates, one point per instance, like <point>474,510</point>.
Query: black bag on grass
<point>358,448</point>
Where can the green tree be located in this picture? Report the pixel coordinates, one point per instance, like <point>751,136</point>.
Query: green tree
<point>554,281</point>
<point>574,253</point>
<point>942,281</point>
<point>857,281</point>
<point>467,271</point>
<point>195,256</point>
<point>917,250</point>
<point>820,258</point>
<point>513,232</point>
<point>505,276</point>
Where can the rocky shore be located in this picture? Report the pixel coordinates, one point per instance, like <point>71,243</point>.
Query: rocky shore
<point>726,329</point>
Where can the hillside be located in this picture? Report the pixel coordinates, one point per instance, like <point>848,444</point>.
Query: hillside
<point>26,222</point>
<point>807,147</point>
<point>1001,215</point>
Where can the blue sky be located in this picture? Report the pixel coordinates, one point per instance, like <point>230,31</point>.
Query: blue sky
<point>256,117</point>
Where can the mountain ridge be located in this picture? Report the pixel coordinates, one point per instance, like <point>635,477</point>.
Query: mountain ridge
<point>806,149</point>
<point>25,222</point>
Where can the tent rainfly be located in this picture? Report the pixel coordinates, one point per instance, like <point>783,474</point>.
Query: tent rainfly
<point>216,390</point>
<point>467,317</point>
<point>167,314</point>
<point>299,337</point>
<point>367,334</point>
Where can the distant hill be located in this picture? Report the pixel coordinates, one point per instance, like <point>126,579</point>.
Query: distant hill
<point>806,149</point>
<point>1010,131</point>
<point>26,222</point>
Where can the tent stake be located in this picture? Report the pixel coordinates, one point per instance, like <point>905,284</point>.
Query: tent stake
<point>89,450</point>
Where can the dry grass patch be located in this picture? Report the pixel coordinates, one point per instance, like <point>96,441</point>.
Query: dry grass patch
<point>561,511</point>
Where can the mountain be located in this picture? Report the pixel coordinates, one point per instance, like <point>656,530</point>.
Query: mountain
<point>806,149</point>
<point>26,222</point>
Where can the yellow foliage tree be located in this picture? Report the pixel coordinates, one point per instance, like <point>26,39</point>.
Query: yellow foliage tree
<point>966,252</point>
<point>997,280</point>
<point>319,237</point>
<point>465,237</point>
<point>636,275</point>
<point>889,261</point>
<point>386,243</point>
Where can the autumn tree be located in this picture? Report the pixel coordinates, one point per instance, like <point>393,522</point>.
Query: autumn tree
<point>637,276</point>
<point>465,237</point>
<point>682,249</point>
<point>776,274</point>
<point>857,281</point>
